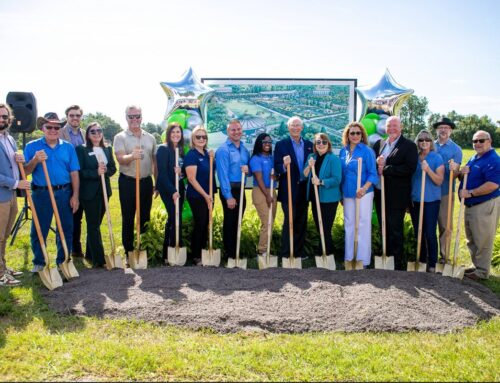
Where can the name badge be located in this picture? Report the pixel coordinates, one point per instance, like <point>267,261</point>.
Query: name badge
<point>91,154</point>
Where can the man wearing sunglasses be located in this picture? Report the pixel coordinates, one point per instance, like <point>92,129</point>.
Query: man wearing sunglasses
<point>63,166</point>
<point>72,133</point>
<point>130,145</point>
<point>9,182</point>
<point>482,204</point>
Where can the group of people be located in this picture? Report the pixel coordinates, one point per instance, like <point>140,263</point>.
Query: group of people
<point>77,160</point>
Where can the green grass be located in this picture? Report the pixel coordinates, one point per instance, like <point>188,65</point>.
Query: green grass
<point>38,344</point>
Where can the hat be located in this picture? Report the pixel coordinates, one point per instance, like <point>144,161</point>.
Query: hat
<point>49,117</point>
<point>444,121</point>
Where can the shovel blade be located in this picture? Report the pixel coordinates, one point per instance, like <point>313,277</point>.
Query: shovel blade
<point>50,278</point>
<point>291,263</point>
<point>138,259</point>
<point>417,266</point>
<point>69,270</point>
<point>384,263</point>
<point>266,262</point>
<point>176,256</point>
<point>351,265</point>
<point>325,262</point>
<point>240,263</point>
<point>110,262</point>
<point>439,268</point>
<point>459,272</point>
<point>447,270</point>
<point>118,261</point>
<point>210,257</point>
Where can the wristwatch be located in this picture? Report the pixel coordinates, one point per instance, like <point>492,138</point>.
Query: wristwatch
<point>321,183</point>
<point>470,192</point>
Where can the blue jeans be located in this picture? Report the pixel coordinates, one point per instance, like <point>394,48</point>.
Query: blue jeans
<point>43,206</point>
<point>429,244</point>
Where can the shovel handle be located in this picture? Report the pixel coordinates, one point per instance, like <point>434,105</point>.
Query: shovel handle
<point>420,219</point>
<point>449,214</point>
<point>384,238</point>
<point>290,210</point>
<point>459,226</point>
<point>240,216</point>
<point>356,225</point>
<point>270,218</point>
<point>138,202</point>
<point>177,200</point>
<point>210,207</point>
<point>320,218</point>
<point>108,215</point>
<point>56,211</point>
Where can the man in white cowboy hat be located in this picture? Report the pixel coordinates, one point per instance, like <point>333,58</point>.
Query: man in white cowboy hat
<point>448,150</point>
<point>62,164</point>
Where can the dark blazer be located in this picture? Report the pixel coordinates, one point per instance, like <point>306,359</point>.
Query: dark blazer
<point>285,148</point>
<point>165,161</point>
<point>90,181</point>
<point>398,171</point>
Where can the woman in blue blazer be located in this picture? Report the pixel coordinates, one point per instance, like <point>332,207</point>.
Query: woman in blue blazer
<point>95,158</point>
<point>165,160</point>
<point>328,178</point>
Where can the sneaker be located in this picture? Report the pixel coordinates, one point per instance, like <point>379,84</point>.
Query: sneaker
<point>474,277</point>
<point>13,273</point>
<point>37,268</point>
<point>470,270</point>
<point>8,280</point>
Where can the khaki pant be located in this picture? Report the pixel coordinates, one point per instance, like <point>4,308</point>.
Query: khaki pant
<point>259,201</point>
<point>481,223</point>
<point>442,217</point>
<point>8,212</point>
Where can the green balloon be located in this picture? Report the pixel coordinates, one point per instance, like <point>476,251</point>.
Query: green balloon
<point>370,125</point>
<point>373,116</point>
<point>179,118</point>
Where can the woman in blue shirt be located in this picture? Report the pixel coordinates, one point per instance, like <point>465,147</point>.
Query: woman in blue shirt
<point>432,164</point>
<point>355,146</point>
<point>328,177</point>
<point>165,160</point>
<point>197,167</point>
<point>261,164</point>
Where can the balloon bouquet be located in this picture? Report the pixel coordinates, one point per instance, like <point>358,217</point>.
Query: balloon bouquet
<point>186,104</point>
<point>379,102</point>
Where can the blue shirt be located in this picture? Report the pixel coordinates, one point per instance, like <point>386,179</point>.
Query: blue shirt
<point>449,150</point>
<point>229,161</point>
<point>76,139</point>
<point>61,161</point>
<point>264,164</point>
<point>483,169</point>
<point>299,154</point>
<point>349,164</point>
<point>202,163</point>
<point>432,191</point>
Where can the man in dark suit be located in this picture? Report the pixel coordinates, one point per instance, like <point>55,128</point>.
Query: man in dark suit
<point>396,160</point>
<point>293,150</point>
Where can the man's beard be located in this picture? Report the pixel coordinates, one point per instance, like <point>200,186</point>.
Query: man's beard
<point>3,126</point>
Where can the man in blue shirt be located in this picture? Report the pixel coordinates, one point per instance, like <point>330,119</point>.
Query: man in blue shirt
<point>62,164</point>
<point>448,150</point>
<point>482,204</point>
<point>232,159</point>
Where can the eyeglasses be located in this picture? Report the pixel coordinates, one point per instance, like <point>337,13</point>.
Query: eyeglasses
<point>50,127</point>
<point>321,142</point>
<point>134,116</point>
<point>74,115</point>
<point>4,116</point>
<point>355,133</point>
<point>424,140</point>
<point>268,142</point>
<point>200,137</point>
<point>480,140</point>
<point>95,131</point>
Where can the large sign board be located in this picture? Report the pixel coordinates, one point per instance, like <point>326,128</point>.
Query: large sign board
<point>265,105</point>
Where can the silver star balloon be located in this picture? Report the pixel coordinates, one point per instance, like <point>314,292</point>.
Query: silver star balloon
<point>387,96</point>
<point>187,93</point>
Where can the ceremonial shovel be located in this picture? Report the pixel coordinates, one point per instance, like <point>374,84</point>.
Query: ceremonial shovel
<point>291,262</point>
<point>417,265</point>
<point>239,262</point>
<point>210,257</point>
<point>384,262</point>
<point>176,255</point>
<point>137,258</point>
<point>50,276</point>
<point>458,271</point>
<point>447,268</point>
<point>354,264</point>
<point>67,267</point>
<point>323,261</point>
<point>267,260</point>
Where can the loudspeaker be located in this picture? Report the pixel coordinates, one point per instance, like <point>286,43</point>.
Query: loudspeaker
<point>23,105</point>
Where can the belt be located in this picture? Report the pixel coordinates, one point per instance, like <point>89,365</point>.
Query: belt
<point>475,204</point>
<point>133,178</point>
<point>235,184</point>
<point>54,187</point>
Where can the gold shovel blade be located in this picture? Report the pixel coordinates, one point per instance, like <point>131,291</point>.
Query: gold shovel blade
<point>50,281</point>
<point>266,262</point>
<point>142,259</point>
<point>210,258</point>
<point>291,263</point>
<point>118,261</point>
<point>448,270</point>
<point>439,268</point>
<point>110,262</point>
<point>351,265</point>
<point>416,266</point>
<point>69,270</point>
<point>458,272</point>
<point>132,259</point>
<point>325,262</point>
<point>384,263</point>
<point>176,256</point>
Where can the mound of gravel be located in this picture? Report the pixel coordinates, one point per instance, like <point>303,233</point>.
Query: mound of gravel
<point>278,300</point>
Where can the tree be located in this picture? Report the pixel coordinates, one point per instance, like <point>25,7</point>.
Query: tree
<point>109,126</point>
<point>413,114</point>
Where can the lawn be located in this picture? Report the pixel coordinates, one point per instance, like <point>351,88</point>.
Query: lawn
<point>39,344</point>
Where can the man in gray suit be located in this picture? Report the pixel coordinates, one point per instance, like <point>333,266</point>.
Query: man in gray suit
<point>72,133</point>
<point>9,182</point>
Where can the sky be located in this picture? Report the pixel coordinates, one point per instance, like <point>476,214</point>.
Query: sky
<point>106,54</point>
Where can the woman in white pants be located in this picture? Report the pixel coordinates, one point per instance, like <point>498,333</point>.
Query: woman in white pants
<point>355,145</point>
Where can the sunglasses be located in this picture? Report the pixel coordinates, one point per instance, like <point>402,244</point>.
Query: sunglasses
<point>268,142</point>
<point>95,131</point>
<point>480,140</point>
<point>134,116</point>
<point>74,115</point>
<point>424,140</point>
<point>200,137</point>
<point>4,116</point>
<point>50,127</point>
<point>355,133</point>
<point>321,142</point>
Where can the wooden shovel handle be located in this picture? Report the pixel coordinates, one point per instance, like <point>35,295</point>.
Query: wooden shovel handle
<point>459,223</point>
<point>449,214</point>
<point>356,224</point>
<point>108,215</point>
<point>270,217</point>
<point>290,209</point>
<point>320,218</point>
<point>35,217</point>
<point>420,218</point>
<point>138,202</point>
<point>240,215</point>
<point>177,200</point>
<point>211,194</point>
<point>56,210</point>
<point>384,237</point>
